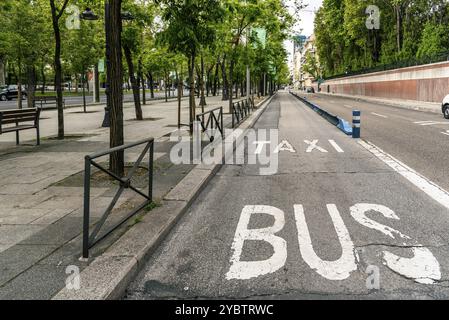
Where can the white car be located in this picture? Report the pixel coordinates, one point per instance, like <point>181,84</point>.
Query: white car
<point>445,107</point>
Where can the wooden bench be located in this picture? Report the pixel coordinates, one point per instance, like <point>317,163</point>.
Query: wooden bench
<point>20,119</point>
<point>44,100</point>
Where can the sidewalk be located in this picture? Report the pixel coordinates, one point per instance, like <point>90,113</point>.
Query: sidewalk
<point>432,107</point>
<point>41,192</point>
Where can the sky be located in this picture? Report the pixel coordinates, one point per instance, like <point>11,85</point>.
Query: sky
<point>305,27</point>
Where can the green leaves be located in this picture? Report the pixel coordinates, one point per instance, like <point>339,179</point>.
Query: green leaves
<point>408,30</point>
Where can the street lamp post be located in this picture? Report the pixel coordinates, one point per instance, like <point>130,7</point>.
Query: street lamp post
<point>89,15</point>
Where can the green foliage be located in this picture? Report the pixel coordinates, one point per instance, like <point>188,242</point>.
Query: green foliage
<point>190,24</point>
<point>160,36</point>
<point>23,33</point>
<point>408,29</point>
<point>434,40</point>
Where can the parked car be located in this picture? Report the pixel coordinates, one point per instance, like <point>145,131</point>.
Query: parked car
<point>445,107</point>
<point>310,90</point>
<point>11,92</point>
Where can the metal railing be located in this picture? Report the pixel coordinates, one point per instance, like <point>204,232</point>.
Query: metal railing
<point>440,57</point>
<point>212,120</point>
<point>241,110</point>
<point>90,239</point>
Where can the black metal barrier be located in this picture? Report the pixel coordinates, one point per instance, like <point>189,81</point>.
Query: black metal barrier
<point>241,110</point>
<point>212,120</point>
<point>89,240</point>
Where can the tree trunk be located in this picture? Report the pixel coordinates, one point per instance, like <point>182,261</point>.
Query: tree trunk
<point>165,86</point>
<point>134,82</point>
<point>31,90</point>
<point>231,84</point>
<point>115,78</point>
<point>57,63</point>
<point>83,84</point>
<point>217,66</point>
<point>151,80</point>
<point>142,81</point>
<point>97,83</point>
<point>225,93</point>
<point>203,98</point>
<point>2,72</point>
<point>192,104</point>
<point>19,86</point>
<point>399,27</point>
<point>44,80</point>
<point>169,85</point>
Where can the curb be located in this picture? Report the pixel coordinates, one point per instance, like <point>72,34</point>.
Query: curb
<point>430,109</point>
<point>96,104</point>
<point>108,276</point>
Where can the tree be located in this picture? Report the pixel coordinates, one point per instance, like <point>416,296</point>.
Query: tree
<point>56,15</point>
<point>344,43</point>
<point>22,26</point>
<point>82,50</point>
<point>133,43</point>
<point>115,76</point>
<point>435,40</point>
<point>189,27</point>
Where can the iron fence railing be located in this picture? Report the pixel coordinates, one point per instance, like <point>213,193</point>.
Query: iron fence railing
<point>441,57</point>
<point>90,239</point>
<point>211,122</point>
<point>241,110</point>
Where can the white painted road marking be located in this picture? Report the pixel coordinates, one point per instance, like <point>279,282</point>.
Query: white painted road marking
<point>313,146</point>
<point>431,189</point>
<point>336,146</point>
<point>349,107</point>
<point>359,211</point>
<point>244,270</point>
<point>423,267</point>
<point>446,133</point>
<point>339,269</point>
<point>430,123</point>
<point>285,146</point>
<point>379,115</point>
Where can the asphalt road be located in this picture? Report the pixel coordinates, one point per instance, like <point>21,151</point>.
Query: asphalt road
<point>71,101</point>
<point>334,221</point>
<point>419,139</point>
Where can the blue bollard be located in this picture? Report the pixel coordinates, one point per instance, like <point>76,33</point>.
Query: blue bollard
<point>356,124</point>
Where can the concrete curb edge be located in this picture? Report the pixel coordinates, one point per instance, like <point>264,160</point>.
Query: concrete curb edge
<point>109,274</point>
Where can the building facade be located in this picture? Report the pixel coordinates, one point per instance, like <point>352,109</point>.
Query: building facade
<point>303,48</point>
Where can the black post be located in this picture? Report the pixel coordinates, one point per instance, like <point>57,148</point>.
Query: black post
<point>84,92</point>
<point>86,208</point>
<point>150,172</point>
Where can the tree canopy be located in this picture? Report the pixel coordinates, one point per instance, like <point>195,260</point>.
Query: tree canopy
<point>409,30</point>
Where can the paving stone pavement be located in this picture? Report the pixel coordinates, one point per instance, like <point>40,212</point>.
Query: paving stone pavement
<point>41,192</point>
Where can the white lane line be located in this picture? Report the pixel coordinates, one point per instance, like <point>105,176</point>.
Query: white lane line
<point>419,122</point>
<point>379,115</point>
<point>336,146</point>
<point>432,123</point>
<point>446,133</point>
<point>431,189</point>
<point>349,107</point>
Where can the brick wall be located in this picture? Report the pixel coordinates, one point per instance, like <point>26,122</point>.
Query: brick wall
<point>422,83</point>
